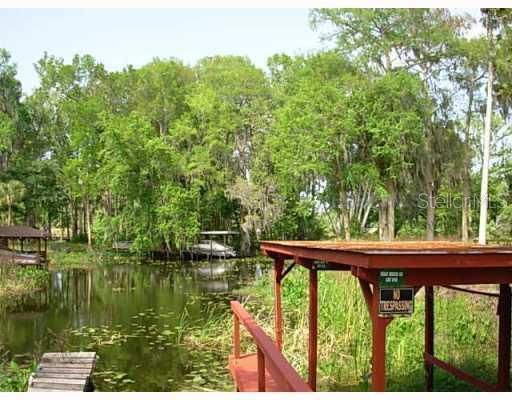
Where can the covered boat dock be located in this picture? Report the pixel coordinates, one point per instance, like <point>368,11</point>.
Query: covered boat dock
<point>14,241</point>
<point>390,274</point>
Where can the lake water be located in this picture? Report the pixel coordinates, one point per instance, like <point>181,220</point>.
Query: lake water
<point>135,317</point>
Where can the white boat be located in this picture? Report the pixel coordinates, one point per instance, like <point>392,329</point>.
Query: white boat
<point>122,245</point>
<point>211,248</point>
<point>13,257</point>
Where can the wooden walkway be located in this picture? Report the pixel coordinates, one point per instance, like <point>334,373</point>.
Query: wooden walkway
<point>63,372</point>
<point>266,370</point>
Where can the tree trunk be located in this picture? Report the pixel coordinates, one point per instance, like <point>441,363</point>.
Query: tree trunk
<point>466,207</point>
<point>245,244</point>
<point>383,220</point>
<point>74,217</point>
<point>369,205</point>
<point>391,210</point>
<point>163,128</point>
<point>431,211</point>
<point>487,145</point>
<point>466,177</point>
<point>345,216</point>
<point>49,227</point>
<point>87,221</point>
<point>9,214</point>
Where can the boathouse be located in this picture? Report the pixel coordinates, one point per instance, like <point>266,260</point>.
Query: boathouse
<point>23,245</point>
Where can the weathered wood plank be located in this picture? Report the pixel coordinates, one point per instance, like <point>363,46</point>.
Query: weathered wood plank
<point>84,375</point>
<point>62,360</point>
<point>77,354</point>
<point>63,372</point>
<point>58,383</point>
<point>46,364</point>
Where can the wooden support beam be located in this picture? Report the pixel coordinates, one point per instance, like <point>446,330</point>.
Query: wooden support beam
<point>367,293</point>
<point>379,326</point>
<point>287,270</point>
<point>429,336</point>
<point>278,310</point>
<point>261,370</point>
<point>505,326</point>
<point>313,327</point>
<point>460,374</point>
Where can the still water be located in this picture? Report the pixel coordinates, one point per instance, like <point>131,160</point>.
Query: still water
<point>136,317</point>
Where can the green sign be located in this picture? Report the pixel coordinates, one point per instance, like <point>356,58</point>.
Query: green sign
<point>320,264</point>
<point>391,278</point>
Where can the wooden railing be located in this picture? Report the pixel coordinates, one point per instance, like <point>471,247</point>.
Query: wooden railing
<point>269,358</point>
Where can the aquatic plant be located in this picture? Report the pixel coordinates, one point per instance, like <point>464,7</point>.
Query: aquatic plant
<point>20,284</point>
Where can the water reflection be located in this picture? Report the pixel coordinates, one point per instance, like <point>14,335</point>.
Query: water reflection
<point>164,297</point>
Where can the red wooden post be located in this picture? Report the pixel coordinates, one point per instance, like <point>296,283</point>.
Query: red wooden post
<point>504,311</point>
<point>378,345</point>
<point>236,336</point>
<point>261,371</point>
<point>278,316</point>
<point>429,337</point>
<point>313,327</point>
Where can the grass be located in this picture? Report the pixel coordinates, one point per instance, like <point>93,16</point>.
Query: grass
<point>70,255</point>
<point>466,331</point>
<point>19,285</point>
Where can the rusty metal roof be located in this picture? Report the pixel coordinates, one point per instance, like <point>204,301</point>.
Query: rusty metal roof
<point>397,254</point>
<point>399,247</point>
<point>21,231</point>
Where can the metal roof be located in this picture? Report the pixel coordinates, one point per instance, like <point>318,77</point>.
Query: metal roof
<point>21,232</point>
<point>418,254</point>
<point>371,247</point>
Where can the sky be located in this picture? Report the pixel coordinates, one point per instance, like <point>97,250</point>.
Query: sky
<point>118,37</point>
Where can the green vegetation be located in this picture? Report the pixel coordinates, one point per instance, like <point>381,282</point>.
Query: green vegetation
<point>13,377</point>
<point>20,284</point>
<point>65,255</point>
<point>378,137</point>
<point>344,347</point>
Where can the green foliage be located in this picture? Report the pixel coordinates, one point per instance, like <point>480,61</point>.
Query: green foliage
<point>14,378</point>
<point>335,143</point>
<point>20,284</point>
<point>178,217</point>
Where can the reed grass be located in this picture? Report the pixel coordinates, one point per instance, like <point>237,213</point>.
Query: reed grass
<point>466,329</point>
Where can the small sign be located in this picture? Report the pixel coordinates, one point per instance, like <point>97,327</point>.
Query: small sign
<point>391,278</point>
<point>396,301</point>
<point>320,264</point>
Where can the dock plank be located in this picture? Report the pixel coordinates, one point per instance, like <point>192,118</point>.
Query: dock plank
<point>244,371</point>
<point>63,372</point>
<point>82,354</point>
<point>67,360</point>
<point>62,375</point>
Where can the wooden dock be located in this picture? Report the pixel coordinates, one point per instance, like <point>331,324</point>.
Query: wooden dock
<point>267,370</point>
<point>64,372</point>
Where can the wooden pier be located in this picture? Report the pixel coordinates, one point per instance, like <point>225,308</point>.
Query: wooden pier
<point>64,372</point>
<point>267,370</point>
<point>390,274</point>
